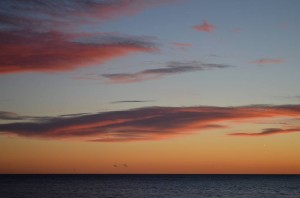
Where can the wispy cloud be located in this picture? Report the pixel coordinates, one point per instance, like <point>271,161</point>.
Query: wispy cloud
<point>56,14</point>
<point>269,61</point>
<point>131,101</point>
<point>268,131</point>
<point>4,115</point>
<point>204,27</point>
<point>149,123</point>
<point>182,44</point>
<point>171,68</point>
<point>38,36</point>
<point>289,97</point>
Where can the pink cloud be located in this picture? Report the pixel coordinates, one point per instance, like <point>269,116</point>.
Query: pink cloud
<point>38,37</point>
<point>204,27</point>
<point>56,52</point>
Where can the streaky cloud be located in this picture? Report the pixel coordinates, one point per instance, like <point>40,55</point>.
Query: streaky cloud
<point>171,68</point>
<point>268,131</point>
<point>263,61</point>
<point>182,44</point>
<point>58,52</point>
<point>4,115</point>
<point>131,101</point>
<point>148,123</point>
<point>52,15</point>
<point>38,36</point>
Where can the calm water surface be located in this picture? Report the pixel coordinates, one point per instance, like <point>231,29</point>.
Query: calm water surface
<point>90,186</point>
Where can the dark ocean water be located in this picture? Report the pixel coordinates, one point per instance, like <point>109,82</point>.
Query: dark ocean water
<point>90,186</point>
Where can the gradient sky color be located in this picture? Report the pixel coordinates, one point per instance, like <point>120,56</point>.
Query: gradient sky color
<point>149,86</point>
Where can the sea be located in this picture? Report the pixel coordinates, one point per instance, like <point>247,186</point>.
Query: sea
<point>144,186</point>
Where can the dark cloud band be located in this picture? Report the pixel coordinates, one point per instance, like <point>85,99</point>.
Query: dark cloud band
<point>149,123</point>
<point>171,68</point>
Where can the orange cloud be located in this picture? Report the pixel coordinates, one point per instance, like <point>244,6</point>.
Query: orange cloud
<point>149,123</point>
<point>204,27</point>
<point>269,61</point>
<point>268,131</point>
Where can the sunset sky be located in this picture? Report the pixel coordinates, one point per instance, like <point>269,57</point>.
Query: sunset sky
<point>150,86</point>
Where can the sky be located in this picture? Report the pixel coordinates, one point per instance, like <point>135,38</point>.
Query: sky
<point>150,86</point>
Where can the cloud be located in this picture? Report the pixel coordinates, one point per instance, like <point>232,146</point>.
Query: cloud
<point>268,131</point>
<point>39,36</point>
<point>204,27</point>
<point>57,14</point>
<point>4,115</point>
<point>148,123</point>
<point>182,44</point>
<point>120,165</point>
<point>56,52</point>
<point>171,68</point>
<point>268,61</point>
<point>131,101</point>
<point>291,97</point>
